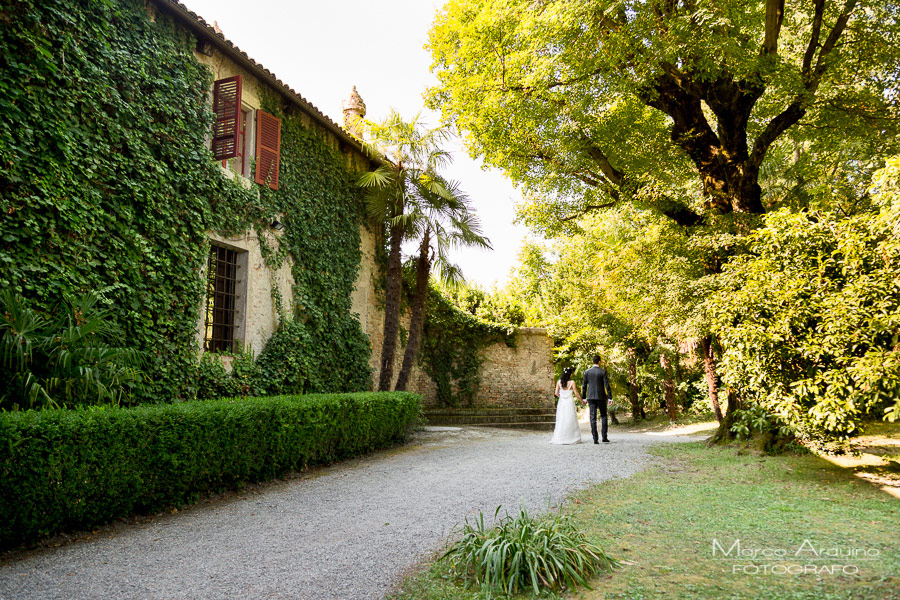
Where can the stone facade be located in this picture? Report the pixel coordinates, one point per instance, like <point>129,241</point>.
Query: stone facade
<point>256,318</point>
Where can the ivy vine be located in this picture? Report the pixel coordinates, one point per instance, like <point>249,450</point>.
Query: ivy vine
<point>452,349</point>
<point>108,183</point>
<point>321,345</point>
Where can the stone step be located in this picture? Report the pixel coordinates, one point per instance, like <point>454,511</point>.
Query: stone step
<point>535,418</point>
<point>533,426</point>
<point>478,419</point>
<point>488,410</point>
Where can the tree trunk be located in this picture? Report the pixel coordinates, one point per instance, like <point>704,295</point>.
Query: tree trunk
<point>723,433</point>
<point>709,364</point>
<point>393,286</point>
<point>637,411</point>
<point>668,388</point>
<point>417,318</point>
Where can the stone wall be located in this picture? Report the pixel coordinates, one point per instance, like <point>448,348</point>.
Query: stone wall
<point>519,377</point>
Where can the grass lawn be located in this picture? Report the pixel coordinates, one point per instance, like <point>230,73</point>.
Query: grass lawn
<point>662,524</point>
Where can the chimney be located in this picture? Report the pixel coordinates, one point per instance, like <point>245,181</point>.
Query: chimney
<point>354,111</point>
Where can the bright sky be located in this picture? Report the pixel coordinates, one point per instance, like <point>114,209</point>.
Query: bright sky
<point>323,48</point>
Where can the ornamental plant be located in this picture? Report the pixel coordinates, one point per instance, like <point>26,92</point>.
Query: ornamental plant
<point>524,552</point>
<point>74,355</point>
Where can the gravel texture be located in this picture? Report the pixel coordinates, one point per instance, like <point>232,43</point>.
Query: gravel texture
<point>348,531</point>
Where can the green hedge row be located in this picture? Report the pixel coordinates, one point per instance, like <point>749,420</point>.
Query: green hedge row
<point>74,469</point>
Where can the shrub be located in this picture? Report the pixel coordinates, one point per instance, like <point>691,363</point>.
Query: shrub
<point>72,355</point>
<point>213,379</point>
<point>809,321</point>
<point>244,379</point>
<point>525,552</point>
<point>74,469</point>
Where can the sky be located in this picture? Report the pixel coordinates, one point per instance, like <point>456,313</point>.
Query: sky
<point>322,49</point>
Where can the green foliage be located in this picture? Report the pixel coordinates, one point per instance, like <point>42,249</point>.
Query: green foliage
<point>213,379</point>
<point>756,420</point>
<point>524,552</point>
<point>502,306</point>
<point>73,469</point>
<point>320,343</point>
<point>247,374</point>
<point>106,175</point>
<point>653,104</point>
<point>465,296</point>
<point>73,356</point>
<point>451,348</point>
<point>108,183</point>
<point>628,286</point>
<point>284,362</point>
<point>810,320</point>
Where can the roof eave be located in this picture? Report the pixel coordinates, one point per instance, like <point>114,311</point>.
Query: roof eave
<point>230,50</point>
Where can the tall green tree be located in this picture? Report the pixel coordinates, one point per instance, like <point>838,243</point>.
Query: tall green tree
<point>397,194</point>
<point>672,104</point>
<point>442,220</point>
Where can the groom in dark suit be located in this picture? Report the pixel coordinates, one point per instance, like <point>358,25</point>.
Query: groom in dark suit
<point>595,389</point>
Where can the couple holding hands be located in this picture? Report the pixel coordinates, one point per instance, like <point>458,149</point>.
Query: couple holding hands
<point>595,389</point>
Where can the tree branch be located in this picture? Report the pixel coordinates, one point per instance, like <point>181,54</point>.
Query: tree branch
<point>833,37</point>
<point>615,176</point>
<point>774,19</point>
<point>587,209</point>
<point>529,89</point>
<point>797,109</point>
<point>813,39</point>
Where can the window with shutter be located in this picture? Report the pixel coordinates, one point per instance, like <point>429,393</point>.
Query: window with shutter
<point>227,106</point>
<point>268,149</point>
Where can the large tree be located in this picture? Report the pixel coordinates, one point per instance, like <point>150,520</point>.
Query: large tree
<point>673,104</point>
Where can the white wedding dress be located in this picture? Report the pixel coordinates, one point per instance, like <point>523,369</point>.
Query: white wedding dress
<point>566,430</point>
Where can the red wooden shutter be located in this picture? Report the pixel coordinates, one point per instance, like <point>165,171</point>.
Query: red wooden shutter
<point>268,149</point>
<point>227,106</point>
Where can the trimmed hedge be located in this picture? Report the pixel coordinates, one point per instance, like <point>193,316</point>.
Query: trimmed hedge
<point>74,469</point>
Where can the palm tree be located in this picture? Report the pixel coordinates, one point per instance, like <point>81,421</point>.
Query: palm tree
<point>443,221</point>
<point>399,183</point>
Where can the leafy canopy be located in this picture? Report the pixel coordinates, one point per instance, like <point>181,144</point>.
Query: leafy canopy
<point>672,105</point>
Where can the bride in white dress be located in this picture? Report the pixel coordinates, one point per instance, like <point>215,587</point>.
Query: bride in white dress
<point>567,430</point>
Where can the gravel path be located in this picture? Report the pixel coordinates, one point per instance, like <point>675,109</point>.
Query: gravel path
<point>346,532</point>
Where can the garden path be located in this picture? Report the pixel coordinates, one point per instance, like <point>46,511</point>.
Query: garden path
<point>348,531</point>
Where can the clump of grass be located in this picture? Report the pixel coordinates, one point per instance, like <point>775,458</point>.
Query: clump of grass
<point>522,552</point>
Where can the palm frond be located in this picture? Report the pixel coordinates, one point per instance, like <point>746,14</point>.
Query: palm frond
<point>382,176</point>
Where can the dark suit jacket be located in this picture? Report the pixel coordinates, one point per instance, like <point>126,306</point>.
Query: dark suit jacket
<point>595,385</point>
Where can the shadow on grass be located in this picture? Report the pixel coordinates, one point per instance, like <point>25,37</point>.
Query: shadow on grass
<point>875,457</point>
<point>661,425</point>
<point>667,522</point>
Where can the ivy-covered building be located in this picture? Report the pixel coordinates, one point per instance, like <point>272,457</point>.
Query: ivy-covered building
<point>246,288</point>
<point>146,158</point>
